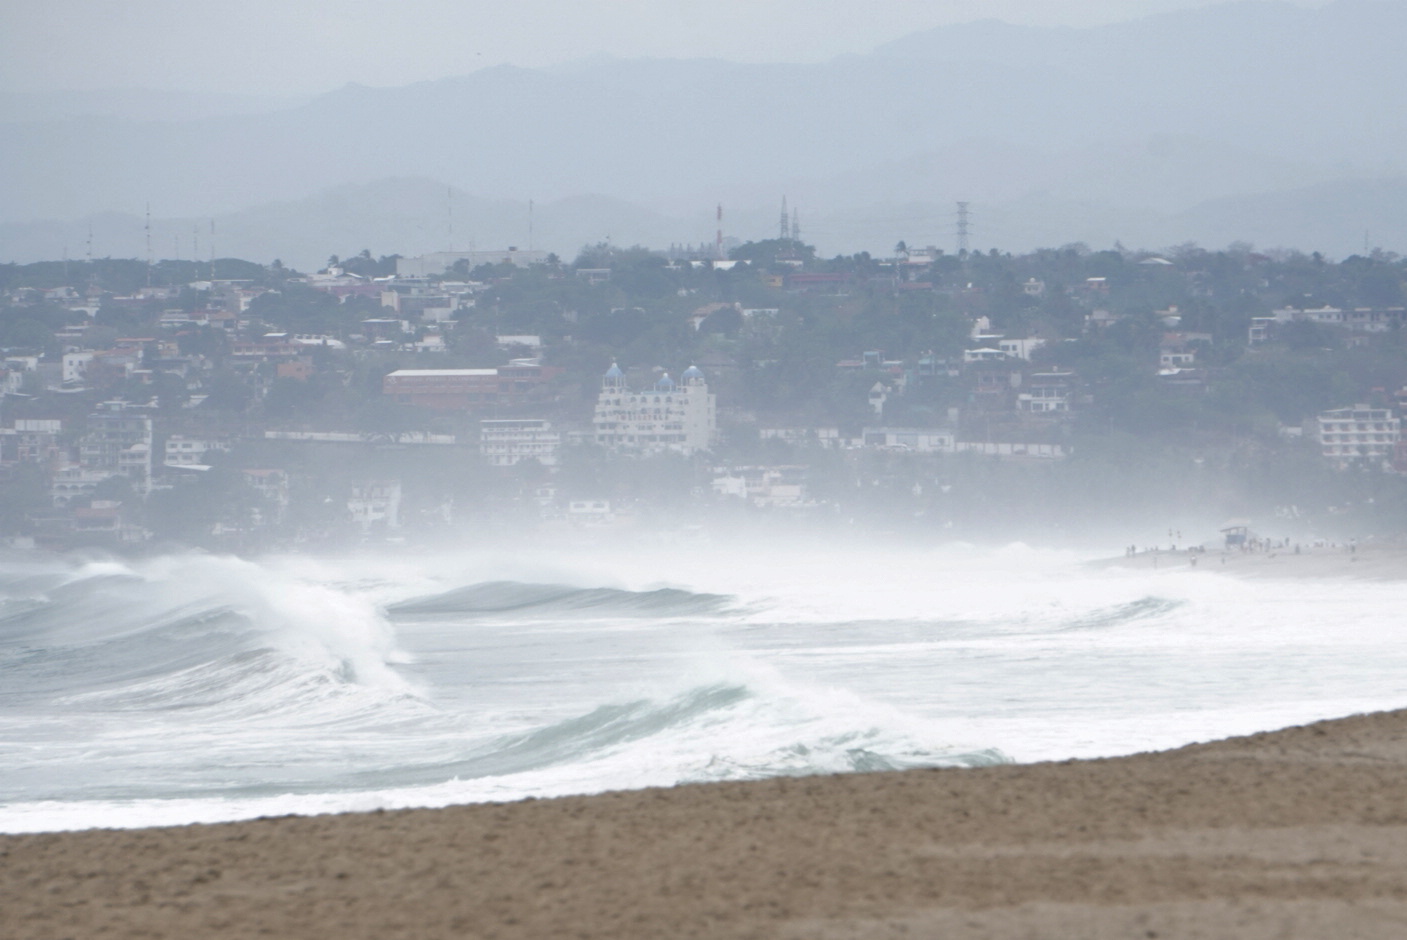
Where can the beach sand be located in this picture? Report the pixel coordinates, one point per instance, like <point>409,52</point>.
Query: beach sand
<point>1295,833</point>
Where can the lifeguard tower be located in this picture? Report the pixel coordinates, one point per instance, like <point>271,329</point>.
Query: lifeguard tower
<point>1237,532</point>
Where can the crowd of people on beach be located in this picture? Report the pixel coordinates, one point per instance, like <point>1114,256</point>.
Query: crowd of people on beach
<point>1248,545</point>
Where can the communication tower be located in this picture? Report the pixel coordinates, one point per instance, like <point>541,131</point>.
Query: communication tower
<point>796,226</point>
<point>964,228</point>
<point>148,231</point>
<point>718,241</point>
<point>785,228</point>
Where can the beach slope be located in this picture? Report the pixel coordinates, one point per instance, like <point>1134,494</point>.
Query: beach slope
<point>1295,833</point>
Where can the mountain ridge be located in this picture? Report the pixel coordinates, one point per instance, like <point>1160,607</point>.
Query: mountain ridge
<point>1270,92</point>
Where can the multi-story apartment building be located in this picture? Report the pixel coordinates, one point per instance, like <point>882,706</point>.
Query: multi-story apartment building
<point>32,440</point>
<point>666,417</point>
<point>1047,393</point>
<point>118,442</point>
<point>1359,433</point>
<point>503,442</point>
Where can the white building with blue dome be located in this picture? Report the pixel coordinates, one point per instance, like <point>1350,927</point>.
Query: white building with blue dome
<point>666,417</point>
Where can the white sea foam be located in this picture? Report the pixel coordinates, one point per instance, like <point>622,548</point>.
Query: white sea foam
<point>196,688</point>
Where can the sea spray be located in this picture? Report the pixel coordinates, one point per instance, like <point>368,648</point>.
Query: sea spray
<point>193,687</point>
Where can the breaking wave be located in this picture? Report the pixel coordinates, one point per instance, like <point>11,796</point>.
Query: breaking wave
<point>200,688</point>
<point>503,597</point>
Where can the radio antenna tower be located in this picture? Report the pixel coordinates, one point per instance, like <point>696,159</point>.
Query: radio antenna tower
<point>964,228</point>
<point>718,240</point>
<point>212,250</point>
<point>785,228</point>
<point>796,226</point>
<point>148,231</point>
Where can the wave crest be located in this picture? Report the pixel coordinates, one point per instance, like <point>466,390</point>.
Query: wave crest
<point>511,597</point>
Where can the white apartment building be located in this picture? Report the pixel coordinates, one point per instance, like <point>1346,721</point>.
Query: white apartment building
<point>376,502</point>
<point>1359,432</point>
<point>666,417</point>
<point>70,483</point>
<point>504,442</point>
<point>118,442</point>
<point>823,437</point>
<point>189,452</point>
<point>1047,393</point>
<point>918,440</point>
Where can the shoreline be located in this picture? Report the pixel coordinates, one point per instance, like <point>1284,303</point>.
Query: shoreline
<point>1293,833</point>
<point>1367,562</point>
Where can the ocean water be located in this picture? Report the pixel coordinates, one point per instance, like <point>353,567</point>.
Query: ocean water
<point>198,688</point>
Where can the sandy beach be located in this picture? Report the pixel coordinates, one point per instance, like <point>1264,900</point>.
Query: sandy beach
<point>1295,833</point>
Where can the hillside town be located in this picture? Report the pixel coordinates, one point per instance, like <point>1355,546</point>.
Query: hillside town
<point>250,407</point>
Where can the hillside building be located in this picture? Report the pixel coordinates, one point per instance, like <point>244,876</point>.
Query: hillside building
<point>463,389</point>
<point>666,417</point>
<point>504,442</point>
<point>376,503</point>
<point>1047,393</point>
<point>191,452</point>
<point>1359,433</point>
<point>118,443</point>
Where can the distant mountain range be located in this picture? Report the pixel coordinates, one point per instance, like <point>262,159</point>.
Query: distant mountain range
<point>1260,122</point>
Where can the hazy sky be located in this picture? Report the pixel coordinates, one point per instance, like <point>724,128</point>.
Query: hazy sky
<point>297,47</point>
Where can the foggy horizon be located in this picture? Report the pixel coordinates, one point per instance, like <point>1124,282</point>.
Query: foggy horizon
<point>298,46</point>
<point>1078,122</point>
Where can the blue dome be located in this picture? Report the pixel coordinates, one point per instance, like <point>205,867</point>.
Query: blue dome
<point>692,374</point>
